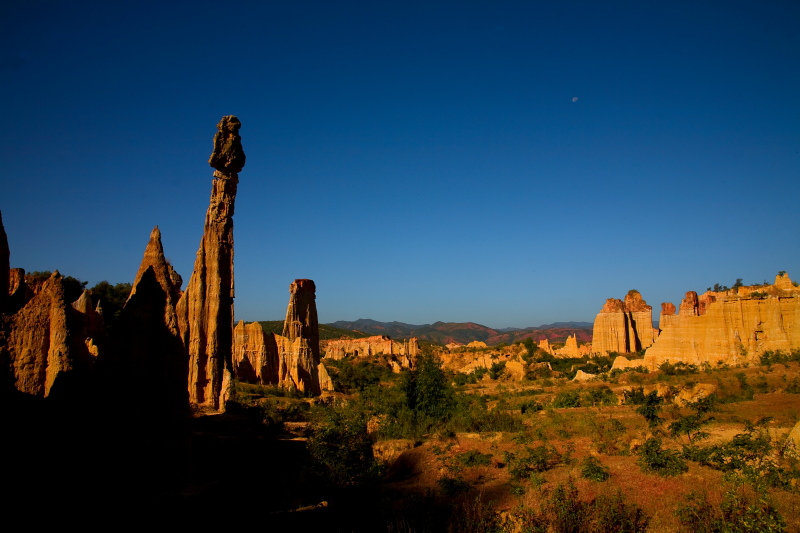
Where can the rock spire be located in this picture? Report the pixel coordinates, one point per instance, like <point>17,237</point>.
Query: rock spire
<point>205,310</point>
<point>300,362</point>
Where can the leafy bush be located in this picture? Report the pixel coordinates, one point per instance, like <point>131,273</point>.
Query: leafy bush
<point>691,425</point>
<point>593,469</point>
<point>354,376</point>
<point>562,511</point>
<point>742,510</point>
<point>497,370</point>
<point>750,455</point>
<point>531,406</point>
<point>453,485</point>
<point>535,459</point>
<point>678,369</point>
<point>779,356</point>
<point>427,389</point>
<point>567,399</point>
<point>653,458</point>
<point>599,396</point>
<point>341,448</point>
<point>475,458</point>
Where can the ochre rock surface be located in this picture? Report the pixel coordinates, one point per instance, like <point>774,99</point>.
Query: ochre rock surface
<point>291,360</point>
<point>299,344</point>
<point>403,353</point>
<point>572,349</point>
<point>166,276</point>
<point>38,340</point>
<point>730,331</point>
<point>205,310</point>
<point>255,354</point>
<point>623,327</point>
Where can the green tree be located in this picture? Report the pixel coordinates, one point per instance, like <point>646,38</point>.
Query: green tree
<point>427,389</point>
<point>112,299</point>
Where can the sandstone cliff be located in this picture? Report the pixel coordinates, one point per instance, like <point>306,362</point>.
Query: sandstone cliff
<point>369,346</point>
<point>730,331</point>
<point>205,310</point>
<point>623,327</point>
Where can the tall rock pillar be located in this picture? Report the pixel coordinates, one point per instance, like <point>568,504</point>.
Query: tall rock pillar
<point>205,310</point>
<point>299,366</point>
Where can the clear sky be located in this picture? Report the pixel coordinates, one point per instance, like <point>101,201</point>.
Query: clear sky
<point>509,163</point>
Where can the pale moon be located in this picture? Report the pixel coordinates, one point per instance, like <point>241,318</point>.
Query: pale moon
<point>574,98</point>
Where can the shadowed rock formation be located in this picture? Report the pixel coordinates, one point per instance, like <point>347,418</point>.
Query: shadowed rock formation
<point>623,327</point>
<point>205,310</point>
<point>255,354</point>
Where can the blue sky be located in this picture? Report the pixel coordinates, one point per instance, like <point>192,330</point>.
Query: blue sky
<point>420,161</point>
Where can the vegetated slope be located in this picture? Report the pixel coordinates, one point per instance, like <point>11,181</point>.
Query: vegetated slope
<point>326,331</point>
<point>466,332</point>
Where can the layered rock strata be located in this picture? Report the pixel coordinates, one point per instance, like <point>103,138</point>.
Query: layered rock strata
<point>255,354</point>
<point>205,310</point>
<point>730,331</point>
<point>404,353</point>
<point>623,326</point>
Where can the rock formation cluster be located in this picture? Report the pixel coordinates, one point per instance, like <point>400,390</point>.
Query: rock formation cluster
<point>732,327</point>
<point>623,326</point>
<point>571,348</point>
<point>728,328</point>
<point>402,353</point>
<point>291,360</point>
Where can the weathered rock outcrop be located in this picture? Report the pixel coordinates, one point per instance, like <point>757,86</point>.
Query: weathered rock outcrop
<point>405,353</point>
<point>730,331</point>
<point>623,327</point>
<point>571,348</point>
<point>255,354</point>
<point>729,328</point>
<point>39,346</point>
<point>205,310</point>
<point>667,316</point>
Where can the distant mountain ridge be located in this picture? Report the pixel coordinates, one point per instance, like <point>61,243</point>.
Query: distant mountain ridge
<point>466,332</point>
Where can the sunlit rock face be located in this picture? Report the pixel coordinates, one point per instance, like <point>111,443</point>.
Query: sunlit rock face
<point>291,360</point>
<point>47,339</point>
<point>732,327</point>
<point>255,354</point>
<point>299,344</point>
<point>623,326</point>
<point>402,354</point>
<point>205,310</point>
